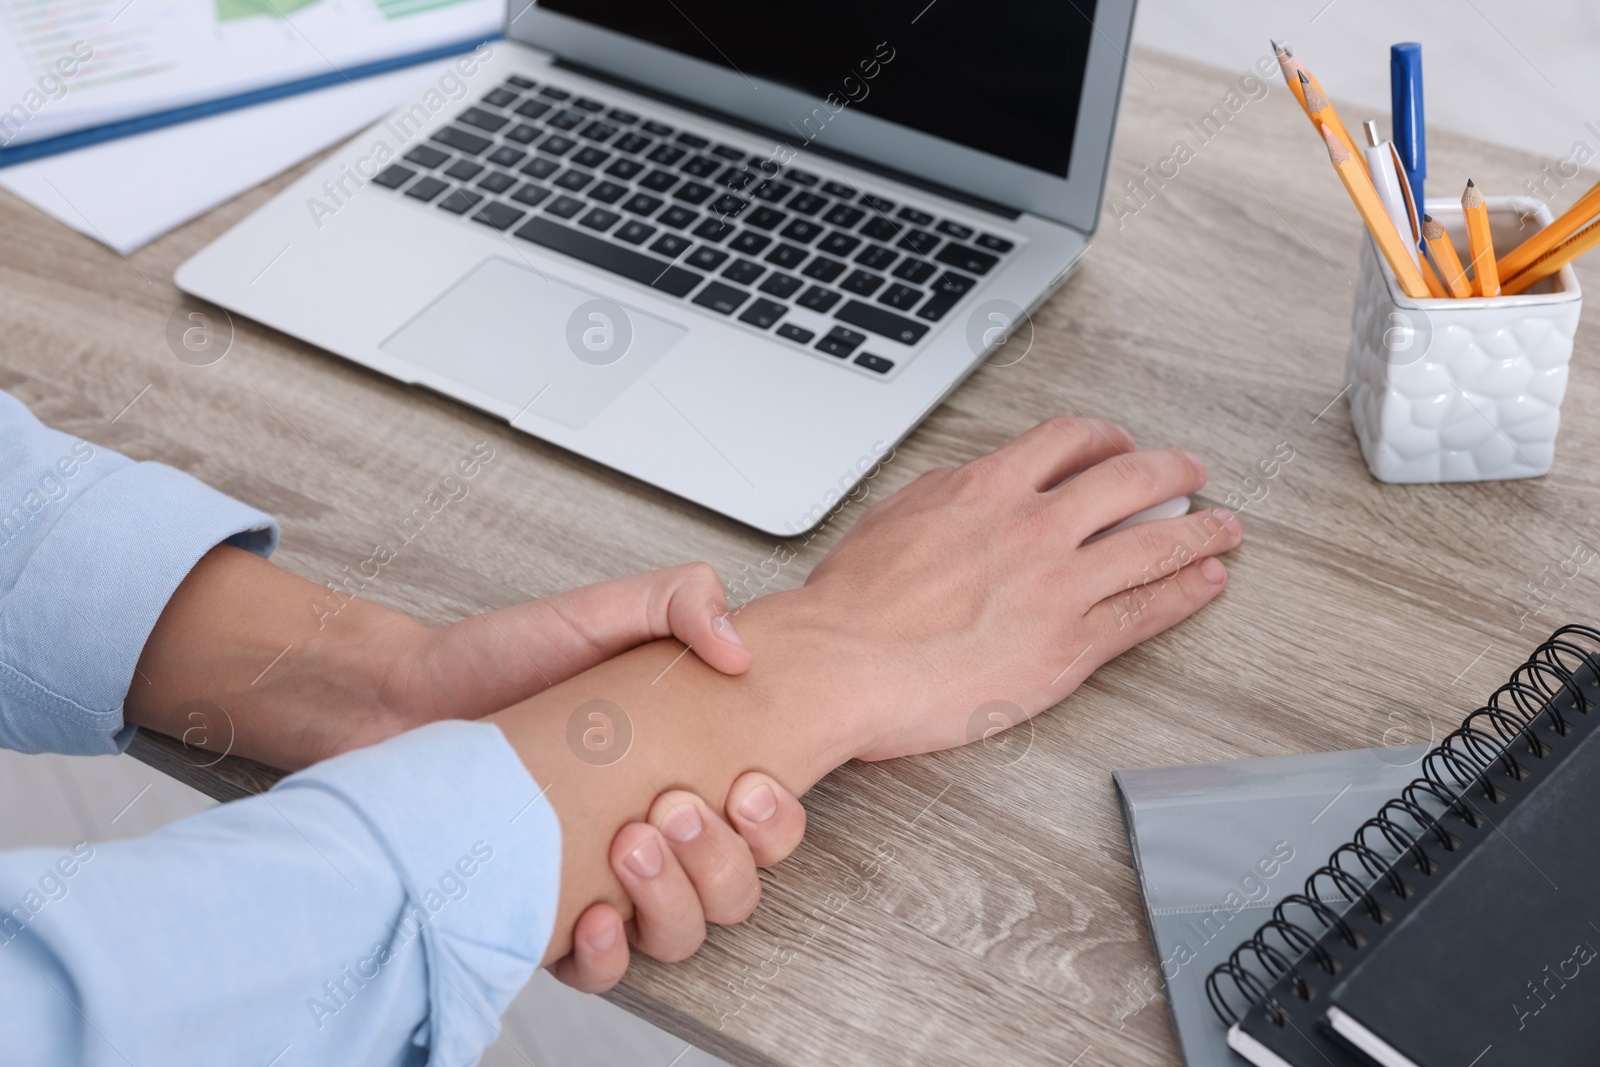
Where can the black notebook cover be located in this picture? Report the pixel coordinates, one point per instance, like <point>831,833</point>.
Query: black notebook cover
<point>1452,904</point>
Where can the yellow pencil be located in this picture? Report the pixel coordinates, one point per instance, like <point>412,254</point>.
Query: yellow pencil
<point>1436,288</point>
<point>1485,272</point>
<point>1569,222</point>
<point>1553,260</point>
<point>1321,113</point>
<point>1359,186</point>
<point>1445,258</point>
<point>1291,72</point>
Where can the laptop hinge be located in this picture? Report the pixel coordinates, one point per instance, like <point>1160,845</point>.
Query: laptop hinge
<point>850,159</point>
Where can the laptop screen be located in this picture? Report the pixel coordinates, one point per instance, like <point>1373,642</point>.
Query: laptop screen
<point>1004,77</point>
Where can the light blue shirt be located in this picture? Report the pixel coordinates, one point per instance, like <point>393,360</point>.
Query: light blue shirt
<point>380,908</point>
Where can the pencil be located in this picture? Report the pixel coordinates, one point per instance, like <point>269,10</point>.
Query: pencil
<point>1485,272</point>
<point>1570,221</point>
<point>1359,186</point>
<point>1291,71</point>
<point>1445,258</point>
<point>1430,276</point>
<point>1553,260</point>
<point>1322,114</point>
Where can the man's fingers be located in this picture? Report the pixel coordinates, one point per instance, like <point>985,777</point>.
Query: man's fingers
<point>768,817</point>
<point>1057,448</point>
<point>1153,550</point>
<point>669,922</point>
<point>1115,488</point>
<point>1131,616</point>
<point>599,956</point>
<point>716,859</point>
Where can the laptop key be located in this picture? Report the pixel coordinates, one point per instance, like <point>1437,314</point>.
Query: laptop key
<point>427,189</point>
<point>658,181</point>
<point>598,131</point>
<point>532,109</point>
<point>484,120</point>
<point>919,241</point>
<point>693,193</point>
<point>818,299</point>
<point>955,229</point>
<point>773,192</point>
<point>876,257</point>
<point>839,244</point>
<point>670,244</point>
<point>802,230</point>
<point>540,167</point>
<point>968,259</point>
<point>844,216</point>
<point>707,258</point>
<point>423,156</point>
<point>498,215</point>
<point>750,242</point>
<point>790,256</point>
<point>522,133</point>
<point>801,177</point>
<point>532,195</point>
<point>763,313</point>
<point>877,203</point>
<point>462,141</point>
<point>700,166</point>
<point>566,120</point>
<point>600,219</point>
<point>574,179</point>
<point>823,269</point>
<point>782,285</point>
<point>723,299</point>
<point>588,104</point>
<point>459,202</point>
<point>463,171</point>
<point>736,177</point>
<point>807,203</point>
<point>590,157</point>
<point>564,207</point>
<point>881,229</point>
<point>519,81</point>
<point>557,145</point>
<point>841,342</point>
<point>608,192</point>
<point>915,271</point>
<point>839,189</point>
<point>875,363</point>
<point>635,233</point>
<point>394,176</point>
<point>659,129</point>
<point>799,334</point>
<point>505,156</point>
<point>937,305</point>
<point>862,282</point>
<point>766,218</point>
<point>954,284</point>
<point>632,143</point>
<point>901,297</point>
<point>727,151</point>
<point>693,140</point>
<point>743,272</point>
<point>626,118</point>
<point>497,182</point>
<point>599,252</point>
<point>677,217</point>
<point>553,93</point>
<point>666,155</point>
<point>713,230</point>
<point>995,244</point>
<point>625,168</point>
<point>881,322</point>
<point>915,217</point>
<point>642,204</point>
<point>727,205</point>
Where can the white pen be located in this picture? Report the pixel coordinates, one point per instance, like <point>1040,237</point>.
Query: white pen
<point>1390,183</point>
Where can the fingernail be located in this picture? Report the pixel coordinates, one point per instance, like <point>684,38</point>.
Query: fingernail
<point>760,805</point>
<point>722,626</point>
<point>604,940</point>
<point>683,824</point>
<point>1229,520</point>
<point>1212,570</point>
<point>645,861</point>
<point>1199,464</point>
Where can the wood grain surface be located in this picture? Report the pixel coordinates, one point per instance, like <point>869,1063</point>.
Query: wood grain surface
<point>976,906</point>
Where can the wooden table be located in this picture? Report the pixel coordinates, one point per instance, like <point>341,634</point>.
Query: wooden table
<point>951,909</point>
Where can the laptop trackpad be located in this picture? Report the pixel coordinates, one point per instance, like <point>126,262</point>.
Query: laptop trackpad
<point>517,336</point>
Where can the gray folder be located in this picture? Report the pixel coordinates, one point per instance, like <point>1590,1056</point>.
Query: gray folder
<point>1217,845</point>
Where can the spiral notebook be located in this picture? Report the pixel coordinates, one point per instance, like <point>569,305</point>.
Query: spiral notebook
<point>1476,902</point>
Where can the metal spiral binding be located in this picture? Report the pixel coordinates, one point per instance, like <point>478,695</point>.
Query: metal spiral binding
<point>1412,821</point>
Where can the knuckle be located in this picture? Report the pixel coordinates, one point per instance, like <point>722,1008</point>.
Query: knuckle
<point>701,573</point>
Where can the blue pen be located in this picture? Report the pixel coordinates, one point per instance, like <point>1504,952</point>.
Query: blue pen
<point>1410,128</point>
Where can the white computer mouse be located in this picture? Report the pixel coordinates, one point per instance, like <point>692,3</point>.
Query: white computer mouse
<point>1167,509</point>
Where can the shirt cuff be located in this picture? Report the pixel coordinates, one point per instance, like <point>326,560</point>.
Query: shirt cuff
<point>477,849</point>
<point>82,609</point>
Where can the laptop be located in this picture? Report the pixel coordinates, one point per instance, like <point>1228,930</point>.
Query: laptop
<point>737,253</point>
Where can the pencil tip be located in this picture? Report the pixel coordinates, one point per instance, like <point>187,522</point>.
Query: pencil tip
<point>1288,50</point>
<point>1470,184</point>
<point>1426,217</point>
<point>1303,79</point>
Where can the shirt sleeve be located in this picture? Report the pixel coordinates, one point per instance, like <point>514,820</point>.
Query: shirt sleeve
<point>380,908</point>
<point>92,546</point>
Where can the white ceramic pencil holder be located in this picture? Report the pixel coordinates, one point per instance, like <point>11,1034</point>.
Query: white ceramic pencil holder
<point>1445,390</point>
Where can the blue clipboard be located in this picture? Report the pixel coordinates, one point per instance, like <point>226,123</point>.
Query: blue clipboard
<point>66,142</point>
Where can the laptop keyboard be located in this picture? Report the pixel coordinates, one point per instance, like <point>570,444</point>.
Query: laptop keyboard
<point>700,221</point>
